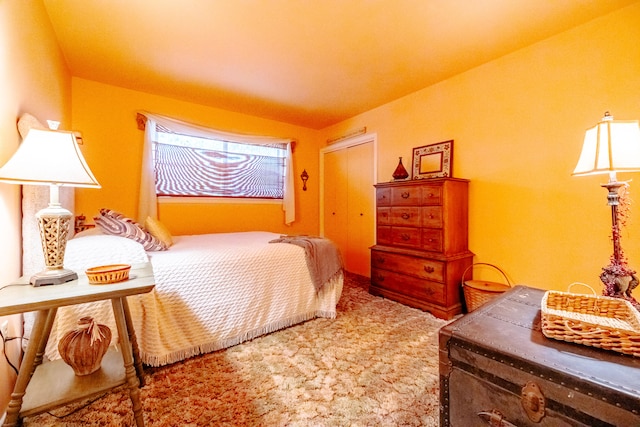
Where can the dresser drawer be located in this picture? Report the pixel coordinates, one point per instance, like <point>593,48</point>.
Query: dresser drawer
<point>431,216</point>
<point>408,216</point>
<point>406,196</point>
<point>408,285</point>
<point>432,239</point>
<point>420,267</point>
<point>383,236</point>
<point>431,195</point>
<point>383,216</point>
<point>406,236</point>
<point>383,197</point>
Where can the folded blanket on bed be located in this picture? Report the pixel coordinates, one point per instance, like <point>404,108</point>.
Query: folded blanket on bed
<point>323,257</point>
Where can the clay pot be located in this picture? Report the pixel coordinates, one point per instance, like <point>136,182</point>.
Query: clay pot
<point>84,348</point>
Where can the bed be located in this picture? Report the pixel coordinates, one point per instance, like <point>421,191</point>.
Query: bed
<point>212,291</point>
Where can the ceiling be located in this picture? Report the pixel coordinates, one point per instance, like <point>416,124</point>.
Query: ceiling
<point>307,62</point>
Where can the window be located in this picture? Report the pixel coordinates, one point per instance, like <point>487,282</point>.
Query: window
<point>190,166</point>
<point>185,159</point>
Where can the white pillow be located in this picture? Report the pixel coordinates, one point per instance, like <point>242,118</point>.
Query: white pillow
<point>95,231</point>
<point>102,249</point>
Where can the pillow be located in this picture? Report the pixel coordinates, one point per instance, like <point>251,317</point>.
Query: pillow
<point>116,224</point>
<point>159,231</point>
<point>102,249</point>
<point>94,231</point>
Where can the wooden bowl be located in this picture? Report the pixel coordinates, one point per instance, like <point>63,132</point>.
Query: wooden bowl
<point>105,274</point>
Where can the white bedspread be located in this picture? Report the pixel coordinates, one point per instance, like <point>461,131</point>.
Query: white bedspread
<point>212,291</point>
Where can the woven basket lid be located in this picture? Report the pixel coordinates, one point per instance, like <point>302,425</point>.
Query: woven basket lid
<point>485,286</point>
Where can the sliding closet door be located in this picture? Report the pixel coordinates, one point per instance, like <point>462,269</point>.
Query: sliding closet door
<point>360,209</point>
<point>348,203</point>
<point>335,198</point>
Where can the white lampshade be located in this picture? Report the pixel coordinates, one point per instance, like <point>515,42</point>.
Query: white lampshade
<point>610,146</point>
<point>48,157</point>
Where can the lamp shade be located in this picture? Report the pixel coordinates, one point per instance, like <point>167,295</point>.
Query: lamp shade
<point>610,146</point>
<point>48,157</point>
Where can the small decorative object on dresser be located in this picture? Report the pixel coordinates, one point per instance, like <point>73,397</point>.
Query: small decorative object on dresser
<point>433,161</point>
<point>495,364</point>
<point>421,245</point>
<point>400,173</point>
<point>84,348</point>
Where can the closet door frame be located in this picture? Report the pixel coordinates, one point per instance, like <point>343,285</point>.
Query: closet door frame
<point>367,138</point>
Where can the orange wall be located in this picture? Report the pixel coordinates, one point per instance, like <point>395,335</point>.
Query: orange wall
<point>33,79</point>
<point>518,124</point>
<point>113,147</point>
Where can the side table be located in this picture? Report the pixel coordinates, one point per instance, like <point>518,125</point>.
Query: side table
<point>42,386</point>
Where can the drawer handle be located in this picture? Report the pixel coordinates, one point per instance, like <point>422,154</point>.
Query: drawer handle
<point>380,278</point>
<point>431,195</point>
<point>380,260</point>
<point>429,269</point>
<point>405,236</point>
<point>405,194</point>
<point>494,418</point>
<point>431,216</point>
<point>431,240</point>
<point>406,216</point>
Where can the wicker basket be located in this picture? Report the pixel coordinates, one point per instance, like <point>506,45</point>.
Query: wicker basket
<point>597,321</point>
<point>478,292</point>
<point>105,274</point>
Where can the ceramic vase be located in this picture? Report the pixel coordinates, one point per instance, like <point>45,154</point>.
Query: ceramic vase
<point>400,172</point>
<point>84,347</point>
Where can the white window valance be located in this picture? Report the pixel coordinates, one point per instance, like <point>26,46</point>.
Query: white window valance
<point>148,199</point>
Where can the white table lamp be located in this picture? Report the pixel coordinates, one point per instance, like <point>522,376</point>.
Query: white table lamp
<point>52,158</point>
<point>613,146</point>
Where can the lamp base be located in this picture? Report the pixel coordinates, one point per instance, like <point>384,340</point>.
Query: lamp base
<point>619,282</point>
<point>53,277</point>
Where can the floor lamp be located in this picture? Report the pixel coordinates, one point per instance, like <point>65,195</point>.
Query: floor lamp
<point>51,158</point>
<point>613,146</point>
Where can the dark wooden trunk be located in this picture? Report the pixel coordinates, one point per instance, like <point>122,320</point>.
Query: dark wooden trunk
<point>496,365</point>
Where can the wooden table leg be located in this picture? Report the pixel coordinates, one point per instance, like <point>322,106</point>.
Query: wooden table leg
<point>46,333</point>
<point>134,342</point>
<point>127,356</point>
<point>37,342</point>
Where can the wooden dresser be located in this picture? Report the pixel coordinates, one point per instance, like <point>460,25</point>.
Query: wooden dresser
<point>421,246</point>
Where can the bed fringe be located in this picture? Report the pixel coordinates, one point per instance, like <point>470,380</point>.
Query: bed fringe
<point>177,356</point>
<point>197,350</point>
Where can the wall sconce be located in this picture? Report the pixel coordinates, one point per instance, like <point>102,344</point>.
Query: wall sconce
<point>304,176</point>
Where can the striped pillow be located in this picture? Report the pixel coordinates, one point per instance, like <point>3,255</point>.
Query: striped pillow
<point>116,224</point>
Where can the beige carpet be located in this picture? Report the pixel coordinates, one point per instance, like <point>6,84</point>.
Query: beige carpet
<point>376,364</point>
